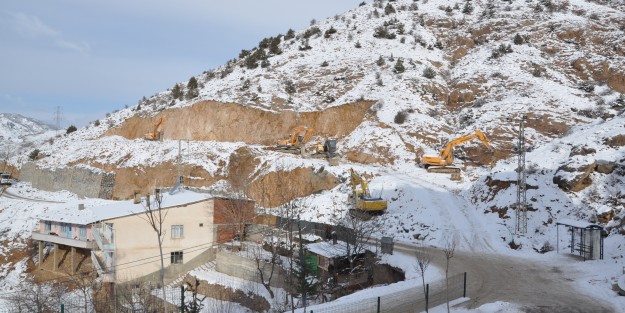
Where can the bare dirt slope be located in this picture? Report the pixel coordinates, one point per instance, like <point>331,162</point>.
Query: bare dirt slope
<point>229,122</point>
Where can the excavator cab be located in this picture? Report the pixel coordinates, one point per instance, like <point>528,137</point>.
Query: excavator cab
<point>443,163</point>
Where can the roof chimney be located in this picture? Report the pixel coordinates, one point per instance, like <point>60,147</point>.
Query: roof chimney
<point>81,206</point>
<point>334,238</point>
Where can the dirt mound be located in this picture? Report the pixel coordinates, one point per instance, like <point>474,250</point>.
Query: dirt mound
<point>229,122</point>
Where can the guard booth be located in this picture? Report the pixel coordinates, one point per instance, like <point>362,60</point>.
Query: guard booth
<point>586,239</point>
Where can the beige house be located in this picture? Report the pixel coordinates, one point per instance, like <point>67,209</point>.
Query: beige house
<point>122,244</point>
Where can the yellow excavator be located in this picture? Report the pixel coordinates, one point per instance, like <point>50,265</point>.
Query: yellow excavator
<point>361,199</point>
<point>296,140</point>
<point>443,163</point>
<point>157,131</point>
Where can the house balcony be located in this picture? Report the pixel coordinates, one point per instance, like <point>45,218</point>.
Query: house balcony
<point>54,238</point>
<point>103,236</point>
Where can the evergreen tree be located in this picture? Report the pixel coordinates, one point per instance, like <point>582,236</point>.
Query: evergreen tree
<point>429,73</point>
<point>399,66</point>
<point>71,129</point>
<point>518,40</point>
<point>33,154</point>
<point>380,61</point>
<point>192,84</point>
<point>389,9</point>
<point>468,8</point>
<point>176,92</point>
<point>290,34</point>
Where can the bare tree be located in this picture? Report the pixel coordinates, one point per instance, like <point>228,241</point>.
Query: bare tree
<point>40,298</point>
<point>84,283</point>
<point>266,258</point>
<point>238,211</point>
<point>448,250</point>
<point>155,216</point>
<point>423,261</point>
<point>137,297</point>
<point>356,229</point>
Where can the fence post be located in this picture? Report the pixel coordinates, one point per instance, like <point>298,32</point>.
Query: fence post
<point>464,289</point>
<point>182,299</point>
<point>427,297</point>
<point>378,304</point>
<point>62,308</point>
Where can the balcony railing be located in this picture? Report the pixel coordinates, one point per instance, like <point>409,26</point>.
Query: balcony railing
<point>51,237</point>
<point>103,235</point>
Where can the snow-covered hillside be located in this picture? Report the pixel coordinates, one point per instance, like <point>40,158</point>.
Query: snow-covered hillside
<point>19,133</point>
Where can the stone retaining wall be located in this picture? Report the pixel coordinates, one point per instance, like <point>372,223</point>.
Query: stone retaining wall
<point>81,181</point>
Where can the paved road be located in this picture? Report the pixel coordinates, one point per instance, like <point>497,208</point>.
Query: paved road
<point>4,192</point>
<point>537,286</point>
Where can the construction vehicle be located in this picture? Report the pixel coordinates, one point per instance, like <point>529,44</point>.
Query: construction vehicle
<point>157,130</point>
<point>327,150</point>
<point>361,199</point>
<point>5,179</point>
<point>295,142</point>
<point>443,163</point>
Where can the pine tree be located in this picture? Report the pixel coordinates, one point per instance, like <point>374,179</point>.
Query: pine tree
<point>380,61</point>
<point>399,66</point>
<point>176,92</point>
<point>192,84</point>
<point>71,129</point>
<point>389,9</point>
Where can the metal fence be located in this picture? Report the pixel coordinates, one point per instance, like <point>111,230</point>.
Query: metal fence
<point>411,299</point>
<point>145,300</point>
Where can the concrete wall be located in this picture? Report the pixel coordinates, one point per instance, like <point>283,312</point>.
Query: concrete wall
<point>245,268</point>
<point>80,181</point>
<point>135,240</point>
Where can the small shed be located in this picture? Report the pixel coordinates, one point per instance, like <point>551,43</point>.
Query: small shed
<point>585,239</point>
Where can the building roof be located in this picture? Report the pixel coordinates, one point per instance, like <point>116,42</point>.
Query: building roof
<point>329,250</point>
<point>577,224</point>
<point>69,212</point>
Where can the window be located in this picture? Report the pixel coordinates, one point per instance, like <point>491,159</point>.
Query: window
<point>48,226</point>
<point>65,228</point>
<point>177,231</point>
<point>176,257</point>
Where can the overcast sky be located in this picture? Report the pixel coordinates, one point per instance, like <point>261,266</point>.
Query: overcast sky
<point>92,57</point>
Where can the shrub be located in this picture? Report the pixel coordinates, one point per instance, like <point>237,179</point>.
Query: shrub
<point>290,34</point>
<point>289,87</point>
<point>33,155</point>
<point>176,92</point>
<point>518,40</point>
<point>536,72</point>
<point>400,117</point>
<point>587,86</point>
<point>468,8</point>
<point>362,3</point>
<point>324,64</point>
<point>329,32</point>
<point>311,32</point>
<point>429,73</point>
<point>380,61</point>
<point>358,45</point>
<point>389,9</point>
<point>71,129</point>
<point>96,123</point>
<point>399,66</point>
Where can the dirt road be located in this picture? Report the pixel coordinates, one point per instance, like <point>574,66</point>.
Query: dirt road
<point>5,193</point>
<point>537,286</point>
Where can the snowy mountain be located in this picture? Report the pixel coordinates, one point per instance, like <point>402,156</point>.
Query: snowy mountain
<point>19,133</point>
<point>392,80</point>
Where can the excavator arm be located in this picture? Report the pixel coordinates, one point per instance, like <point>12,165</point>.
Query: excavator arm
<point>447,153</point>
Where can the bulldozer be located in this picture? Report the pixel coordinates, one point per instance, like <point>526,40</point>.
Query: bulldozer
<point>295,142</point>
<point>361,199</point>
<point>327,150</point>
<point>157,131</point>
<point>443,163</point>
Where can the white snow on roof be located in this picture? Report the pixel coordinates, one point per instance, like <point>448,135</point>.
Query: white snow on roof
<point>327,249</point>
<point>69,212</point>
<point>574,223</point>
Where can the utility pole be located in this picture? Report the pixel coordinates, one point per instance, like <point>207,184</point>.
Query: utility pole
<point>521,190</point>
<point>57,119</point>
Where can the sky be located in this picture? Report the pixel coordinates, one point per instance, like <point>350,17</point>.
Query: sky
<point>89,58</point>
